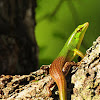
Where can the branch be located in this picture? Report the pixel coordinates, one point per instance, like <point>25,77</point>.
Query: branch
<point>32,87</point>
<point>87,77</point>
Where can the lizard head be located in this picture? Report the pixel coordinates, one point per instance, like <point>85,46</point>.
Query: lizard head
<point>79,34</point>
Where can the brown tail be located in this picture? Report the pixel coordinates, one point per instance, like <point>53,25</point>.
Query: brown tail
<point>58,76</point>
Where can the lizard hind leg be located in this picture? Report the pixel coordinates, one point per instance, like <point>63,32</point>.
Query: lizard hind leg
<point>48,86</point>
<point>67,67</point>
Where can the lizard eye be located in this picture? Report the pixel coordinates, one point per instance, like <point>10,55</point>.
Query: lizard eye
<point>80,29</point>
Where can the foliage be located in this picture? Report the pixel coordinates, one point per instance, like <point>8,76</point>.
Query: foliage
<point>57,19</point>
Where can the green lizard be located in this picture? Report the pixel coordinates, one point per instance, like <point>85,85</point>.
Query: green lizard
<point>67,54</point>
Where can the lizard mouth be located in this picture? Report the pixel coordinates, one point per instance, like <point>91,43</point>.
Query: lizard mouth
<point>86,24</point>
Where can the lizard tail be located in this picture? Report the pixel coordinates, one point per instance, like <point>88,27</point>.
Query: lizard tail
<point>62,86</point>
<point>58,76</point>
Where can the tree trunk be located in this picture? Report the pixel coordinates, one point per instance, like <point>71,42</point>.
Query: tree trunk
<point>18,52</point>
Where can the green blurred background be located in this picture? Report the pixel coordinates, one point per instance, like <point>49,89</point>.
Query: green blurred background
<point>57,19</point>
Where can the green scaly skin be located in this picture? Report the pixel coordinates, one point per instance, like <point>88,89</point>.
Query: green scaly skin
<point>67,54</point>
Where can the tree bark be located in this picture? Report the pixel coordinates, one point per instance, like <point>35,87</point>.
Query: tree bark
<point>87,77</point>
<point>19,51</point>
<point>86,81</point>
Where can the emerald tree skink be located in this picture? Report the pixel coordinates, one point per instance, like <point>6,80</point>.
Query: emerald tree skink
<point>67,54</point>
